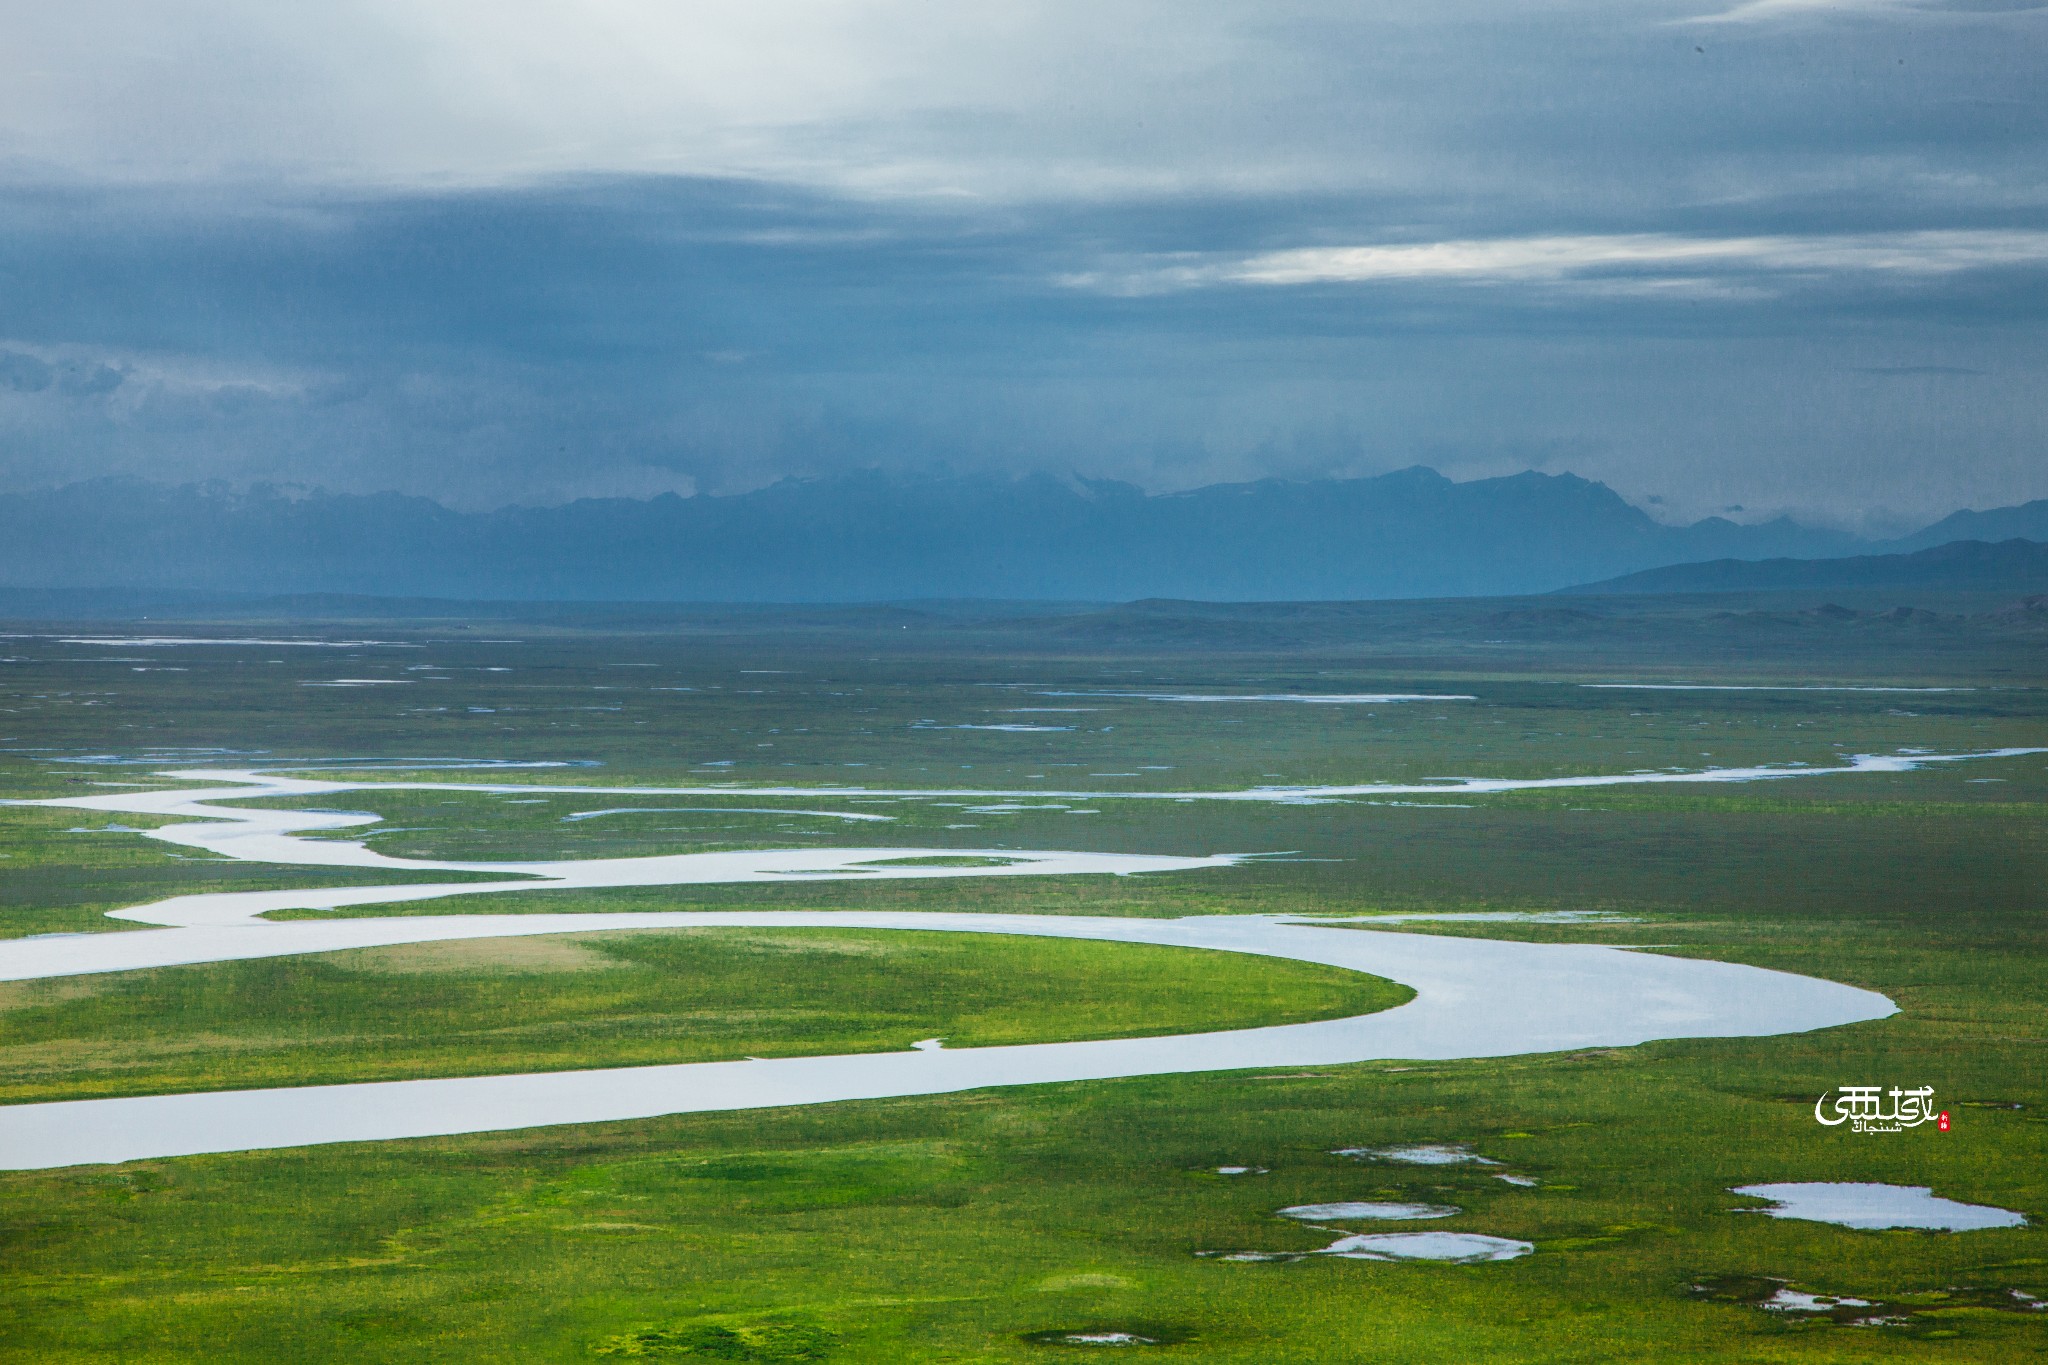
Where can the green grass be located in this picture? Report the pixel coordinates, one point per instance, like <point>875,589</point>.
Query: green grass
<point>549,1003</point>
<point>947,1229</point>
<point>952,1229</point>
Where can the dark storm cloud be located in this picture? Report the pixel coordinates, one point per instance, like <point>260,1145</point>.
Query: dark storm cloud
<point>1774,257</point>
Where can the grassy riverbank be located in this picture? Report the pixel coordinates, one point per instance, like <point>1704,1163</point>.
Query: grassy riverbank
<point>495,1006</point>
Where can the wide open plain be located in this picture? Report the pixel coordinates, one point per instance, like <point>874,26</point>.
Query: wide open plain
<point>997,1223</point>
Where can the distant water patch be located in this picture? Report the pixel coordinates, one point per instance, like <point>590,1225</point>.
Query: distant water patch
<point>1307,698</point>
<point>1009,728</point>
<point>720,810</point>
<point>1759,687</point>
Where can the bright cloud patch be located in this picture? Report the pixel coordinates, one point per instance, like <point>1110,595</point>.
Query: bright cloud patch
<point>1556,259</point>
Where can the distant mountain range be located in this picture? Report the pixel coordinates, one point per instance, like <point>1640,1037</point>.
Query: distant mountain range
<point>2010,565</point>
<point>2028,521</point>
<point>877,537</point>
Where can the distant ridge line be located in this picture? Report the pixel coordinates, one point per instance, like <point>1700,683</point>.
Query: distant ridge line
<point>2016,565</point>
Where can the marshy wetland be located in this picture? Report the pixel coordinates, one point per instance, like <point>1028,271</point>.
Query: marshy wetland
<point>1028,1221</point>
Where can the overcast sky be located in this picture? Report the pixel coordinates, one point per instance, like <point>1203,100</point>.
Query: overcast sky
<point>1788,255</point>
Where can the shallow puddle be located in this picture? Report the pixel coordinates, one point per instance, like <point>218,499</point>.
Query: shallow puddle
<point>1796,1301</point>
<point>1919,1308</point>
<point>1341,1212</point>
<point>1419,1154</point>
<point>1111,1337</point>
<point>1465,1248</point>
<point>1870,1206</point>
<point>1459,1248</point>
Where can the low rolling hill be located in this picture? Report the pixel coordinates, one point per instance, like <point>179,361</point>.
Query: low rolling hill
<point>2009,565</point>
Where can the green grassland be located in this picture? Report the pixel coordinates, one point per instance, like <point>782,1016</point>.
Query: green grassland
<point>955,1228</point>
<point>623,999</point>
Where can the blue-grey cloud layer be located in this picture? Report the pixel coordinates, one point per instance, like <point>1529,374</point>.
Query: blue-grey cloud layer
<point>1792,257</point>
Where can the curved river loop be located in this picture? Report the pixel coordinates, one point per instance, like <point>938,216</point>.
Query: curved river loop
<point>1473,997</point>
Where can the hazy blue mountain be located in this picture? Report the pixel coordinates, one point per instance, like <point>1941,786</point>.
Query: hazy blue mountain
<point>877,537</point>
<point>2015,565</point>
<point>2028,521</point>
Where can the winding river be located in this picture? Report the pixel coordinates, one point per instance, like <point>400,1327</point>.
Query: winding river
<point>1474,997</point>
